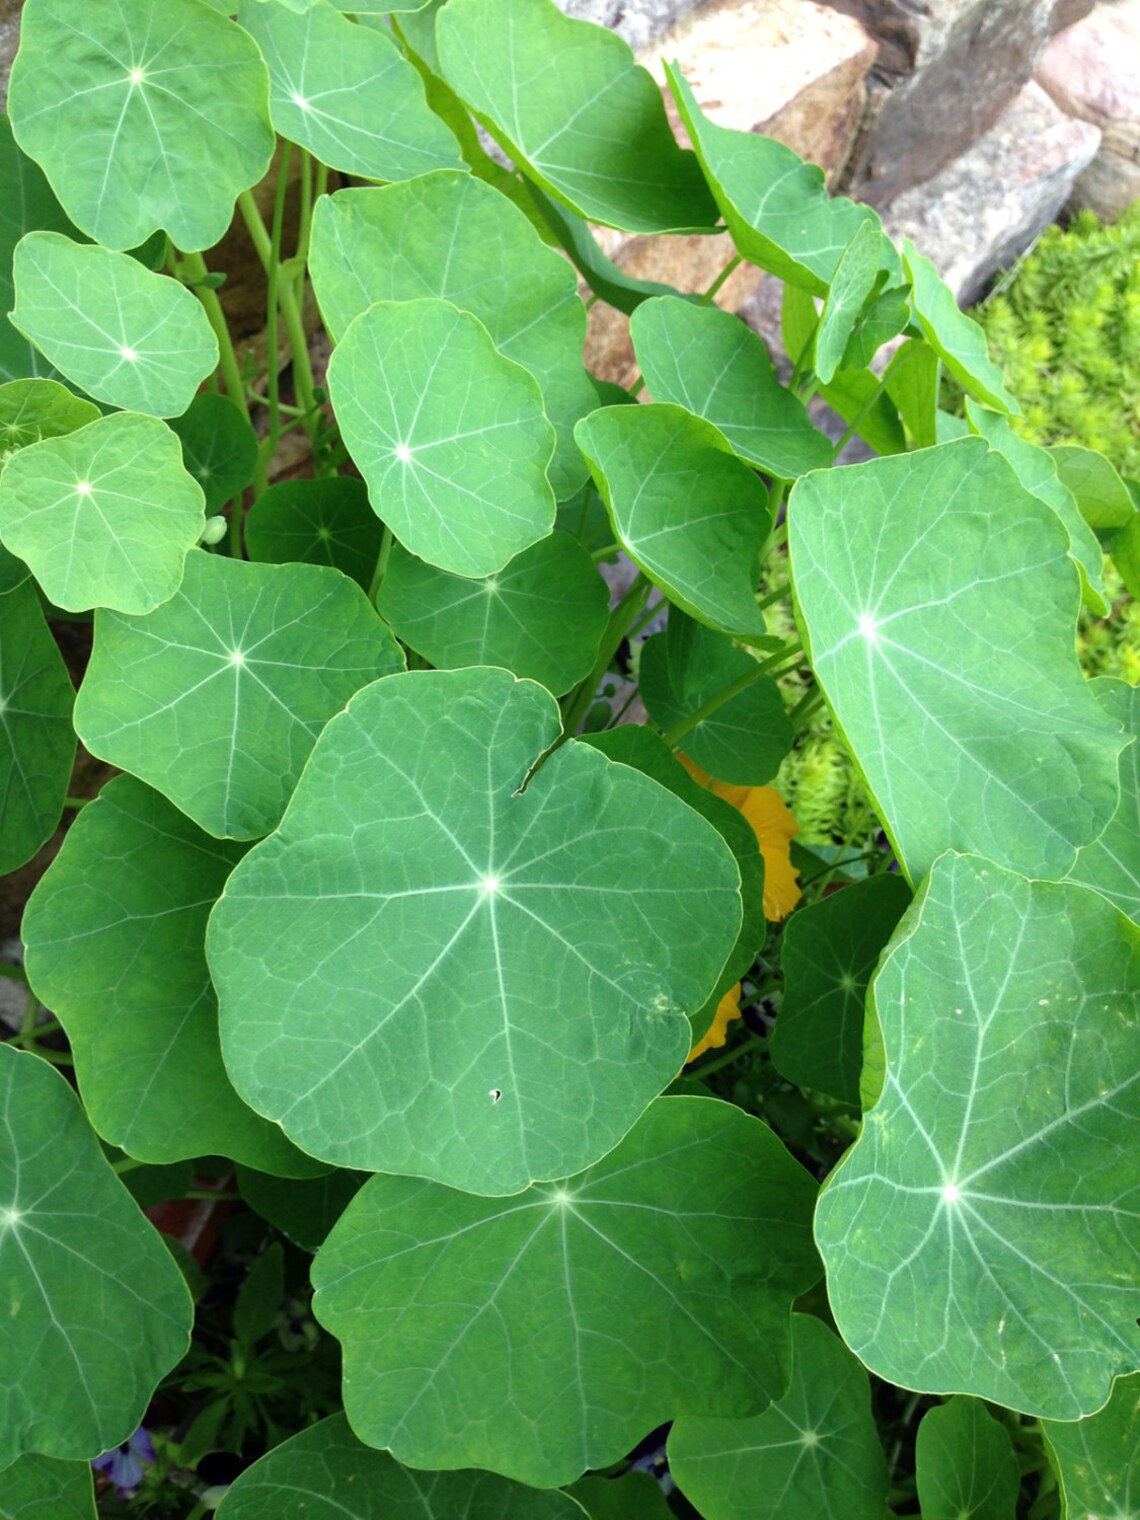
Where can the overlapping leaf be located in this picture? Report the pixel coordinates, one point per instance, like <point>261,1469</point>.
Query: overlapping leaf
<point>217,697</point>
<point>689,512</point>
<point>446,913</point>
<point>814,1455</point>
<point>319,522</point>
<point>1098,1458</point>
<point>347,94</point>
<point>543,1334</point>
<point>706,360</point>
<point>1111,864</point>
<point>115,936</point>
<point>1001,1150</point>
<point>451,236</point>
<point>141,115</point>
<point>541,617</point>
<point>574,111</point>
<point>303,1209</point>
<point>219,447</point>
<point>966,1468</point>
<point>939,602</point>
<point>449,435</point>
<point>32,410</point>
<point>127,336</point>
<point>633,1495</point>
<point>37,742</point>
<point>1102,496</point>
<point>42,1488</point>
<point>105,516</point>
<point>955,337</point>
<point>851,287</point>
<point>95,1311</point>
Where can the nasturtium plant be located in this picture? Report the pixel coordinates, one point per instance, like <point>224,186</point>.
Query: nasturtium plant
<point>423,918</point>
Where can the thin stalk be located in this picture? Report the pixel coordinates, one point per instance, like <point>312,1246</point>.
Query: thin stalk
<point>733,264</point>
<point>674,736</point>
<point>621,618</point>
<point>779,595</point>
<point>753,1042</point>
<point>806,708</point>
<point>381,565</point>
<point>860,416</point>
<point>17,973</point>
<point>600,554</point>
<point>290,310</point>
<point>195,266</point>
<point>272,379</point>
<point>77,802</point>
<point>638,386</point>
<point>306,218</point>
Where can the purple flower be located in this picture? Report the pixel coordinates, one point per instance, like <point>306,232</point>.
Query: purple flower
<point>124,1464</point>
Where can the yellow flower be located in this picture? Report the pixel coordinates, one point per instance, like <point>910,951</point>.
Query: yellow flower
<point>774,827</point>
<point>726,1010</point>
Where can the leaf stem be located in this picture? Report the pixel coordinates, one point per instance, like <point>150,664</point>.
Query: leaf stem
<point>621,619</point>
<point>860,417</point>
<point>381,565</point>
<point>195,266</point>
<point>291,311</point>
<point>674,735</point>
<point>730,268</point>
<point>272,378</point>
<point>773,597</point>
<point>753,1042</point>
<point>806,708</point>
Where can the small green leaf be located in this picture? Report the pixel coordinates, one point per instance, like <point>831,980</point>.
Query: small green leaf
<point>42,1488</point>
<point>1126,555</point>
<point>1111,863</point>
<point>251,660</point>
<point>453,237</point>
<point>106,516</point>
<point>940,602</point>
<point>128,337</point>
<point>115,936</point>
<point>957,339</point>
<point>32,410</point>
<point>143,116</point>
<point>861,399</point>
<point>219,448</point>
<point>882,318</point>
<point>1102,496</point>
<point>325,1473</point>
<point>449,435</point>
<point>259,1300</point>
<point>852,284</point>
<point>37,742</point>
<point>542,616</point>
<point>1001,1150</point>
<point>94,1310</point>
<point>777,207</point>
<point>913,380</point>
<point>707,360</point>
<point>814,1455</point>
<point>575,113</point>
<point>319,522</point>
<point>412,872</point>
<point>1098,1458</point>
<point>827,955</point>
<point>303,1209</point>
<point>966,1466</point>
<point>633,1495</point>
<point>691,514</point>
<point>347,94</point>
<point>546,1333</point>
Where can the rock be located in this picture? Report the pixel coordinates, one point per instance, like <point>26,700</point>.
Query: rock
<point>981,211</point>
<point>1066,12</point>
<point>1092,71</point>
<point>638,21</point>
<point>9,42</point>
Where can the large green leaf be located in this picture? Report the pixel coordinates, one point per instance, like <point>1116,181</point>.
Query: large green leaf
<point>347,94</point>
<point>541,617</point>
<point>37,741</point>
<point>319,522</point>
<point>32,410</point>
<point>776,206</point>
<point>1111,864</point>
<point>105,516</point>
<point>451,236</point>
<point>575,112</point>
<point>217,697</point>
<point>966,1468</point>
<point>1098,1458</point>
<point>126,336</point>
<point>42,1488</point>
<point>115,936</point>
<point>814,1455</point>
<point>219,447</point>
<point>143,114</point>
<point>326,1473</point>
<point>691,514</point>
<point>94,1310</point>
<point>957,339</point>
<point>547,1333</point>
<point>445,913</point>
<point>827,955</point>
<point>449,435</point>
<point>1002,1150</point>
<point>706,360</point>
<point>940,601</point>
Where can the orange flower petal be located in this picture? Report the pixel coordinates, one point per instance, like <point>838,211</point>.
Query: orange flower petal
<point>726,1010</point>
<point>774,827</point>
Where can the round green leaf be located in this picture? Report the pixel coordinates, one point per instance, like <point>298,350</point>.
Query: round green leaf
<point>1111,864</point>
<point>319,522</point>
<point>940,601</point>
<point>1102,496</point>
<point>219,448</point>
<point>451,236</point>
<point>37,741</point>
<point>827,956</point>
<point>106,516</point>
<point>347,94</point>
<point>115,936</point>
<point>706,360</point>
<point>446,912</point>
<point>1002,1150</point>
<point>687,511</point>
<point>95,1311</point>
<point>325,1473</point>
<point>541,617</point>
<point>575,112</point>
<point>127,336</point>
<point>966,1468</point>
<point>449,436</point>
<point>814,1455</point>
<point>303,1209</point>
<point>540,1335</point>
<point>217,697</point>
<point>41,1488</point>
<point>142,115</point>
<point>32,410</point>
<point>956,338</point>
<point>1098,1458</point>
